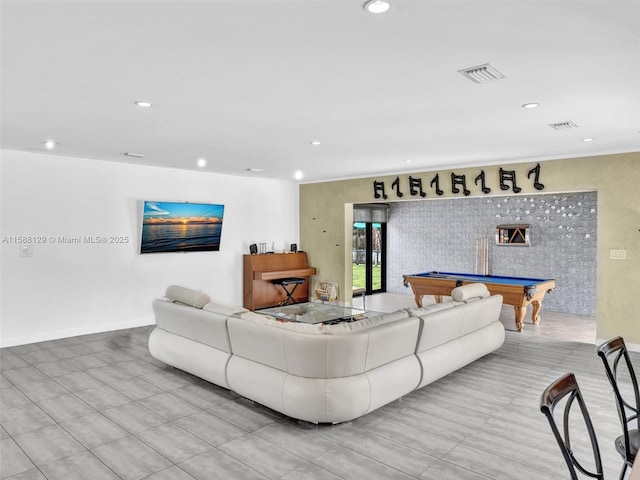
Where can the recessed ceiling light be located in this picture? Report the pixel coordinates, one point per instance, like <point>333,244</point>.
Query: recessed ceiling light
<point>377,6</point>
<point>298,175</point>
<point>531,105</point>
<point>408,161</point>
<point>253,169</point>
<point>588,139</point>
<point>135,155</point>
<point>202,162</point>
<point>315,142</point>
<point>50,144</point>
<point>144,103</point>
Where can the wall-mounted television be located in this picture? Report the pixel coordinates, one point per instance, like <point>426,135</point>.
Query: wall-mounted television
<point>181,227</point>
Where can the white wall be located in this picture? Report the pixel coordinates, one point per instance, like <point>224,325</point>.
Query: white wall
<point>70,289</point>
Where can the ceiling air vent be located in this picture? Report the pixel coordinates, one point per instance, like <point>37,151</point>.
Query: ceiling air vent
<point>563,125</point>
<point>482,73</point>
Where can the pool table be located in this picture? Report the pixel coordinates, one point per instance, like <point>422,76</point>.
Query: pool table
<point>516,291</point>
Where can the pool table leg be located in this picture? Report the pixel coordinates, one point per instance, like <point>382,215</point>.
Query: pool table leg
<point>535,318</point>
<point>418,299</point>
<point>520,313</point>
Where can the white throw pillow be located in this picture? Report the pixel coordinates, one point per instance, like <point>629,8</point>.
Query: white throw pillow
<point>469,292</point>
<point>187,296</point>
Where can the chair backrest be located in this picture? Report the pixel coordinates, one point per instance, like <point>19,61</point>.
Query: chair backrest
<point>625,388</point>
<point>565,391</point>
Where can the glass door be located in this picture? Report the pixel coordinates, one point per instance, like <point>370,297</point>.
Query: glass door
<point>368,256</point>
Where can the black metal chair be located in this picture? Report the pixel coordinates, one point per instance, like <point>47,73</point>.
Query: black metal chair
<point>566,389</point>
<point>625,388</point>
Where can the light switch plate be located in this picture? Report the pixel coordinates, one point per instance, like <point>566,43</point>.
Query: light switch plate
<point>617,254</point>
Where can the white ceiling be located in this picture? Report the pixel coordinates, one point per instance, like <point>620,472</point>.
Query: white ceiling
<point>249,84</point>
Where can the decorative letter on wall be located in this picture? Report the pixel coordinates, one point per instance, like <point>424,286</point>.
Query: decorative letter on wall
<point>480,177</point>
<point>396,186</point>
<point>536,184</point>
<point>508,176</point>
<point>459,180</point>
<point>436,180</point>
<point>378,187</point>
<point>416,183</point>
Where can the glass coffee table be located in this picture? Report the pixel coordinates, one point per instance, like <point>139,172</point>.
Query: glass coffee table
<point>312,312</point>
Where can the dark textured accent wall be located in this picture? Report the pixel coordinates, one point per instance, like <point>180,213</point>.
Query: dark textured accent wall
<point>441,235</point>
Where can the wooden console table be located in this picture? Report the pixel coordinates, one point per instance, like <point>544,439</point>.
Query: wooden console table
<point>259,270</point>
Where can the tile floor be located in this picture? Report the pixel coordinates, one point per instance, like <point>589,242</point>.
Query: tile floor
<point>100,407</point>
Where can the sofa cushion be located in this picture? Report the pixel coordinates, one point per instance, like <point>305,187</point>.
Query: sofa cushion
<point>479,314</point>
<point>365,323</point>
<point>434,307</point>
<point>187,296</point>
<point>440,327</point>
<point>269,321</point>
<point>470,291</point>
<point>226,310</point>
<point>321,328</point>
<point>324,351</point>
<point>196,324</point>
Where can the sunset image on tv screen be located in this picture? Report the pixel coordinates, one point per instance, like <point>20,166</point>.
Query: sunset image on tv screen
<point>181,227</point>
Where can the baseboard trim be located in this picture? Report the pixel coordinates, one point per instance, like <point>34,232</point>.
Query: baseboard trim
<point>44,337</point>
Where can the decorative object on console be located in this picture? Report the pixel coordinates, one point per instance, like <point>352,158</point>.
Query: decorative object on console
<point>181,227</point>
<point>294,247</point>
<point>253,249</point>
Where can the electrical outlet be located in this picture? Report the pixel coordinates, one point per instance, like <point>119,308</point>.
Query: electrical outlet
<point>616,254</point>
<point>26,250</point>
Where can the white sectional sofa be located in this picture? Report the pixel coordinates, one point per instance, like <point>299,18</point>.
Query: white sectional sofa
<point>324,373</point>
